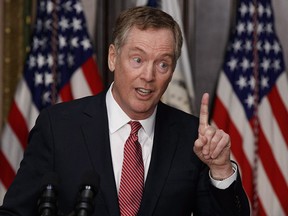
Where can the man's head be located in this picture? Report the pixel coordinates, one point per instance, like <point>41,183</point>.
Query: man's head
<point>147,44</point>
<point>144,18</point>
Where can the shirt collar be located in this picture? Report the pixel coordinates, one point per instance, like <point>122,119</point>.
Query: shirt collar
<point>117,118</point>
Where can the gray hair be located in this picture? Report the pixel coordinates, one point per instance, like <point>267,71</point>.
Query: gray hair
<point>144,18</point>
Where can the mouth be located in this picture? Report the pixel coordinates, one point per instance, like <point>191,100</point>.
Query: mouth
<point>143,91</point>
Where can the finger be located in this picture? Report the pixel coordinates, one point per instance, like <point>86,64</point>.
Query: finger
<point>223,144</point>
<point>204,113</point>
<point>205,148</point>
<point>209,134</point>
<point>215,140</point>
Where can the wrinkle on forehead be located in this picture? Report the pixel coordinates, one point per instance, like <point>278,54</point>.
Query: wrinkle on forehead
<point>154,40</point>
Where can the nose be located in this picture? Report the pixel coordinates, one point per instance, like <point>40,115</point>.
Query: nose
<point>148,72</point>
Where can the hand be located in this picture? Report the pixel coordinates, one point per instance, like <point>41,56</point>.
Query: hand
<point>213,145</point>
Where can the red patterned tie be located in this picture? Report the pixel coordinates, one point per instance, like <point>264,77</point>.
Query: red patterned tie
<point>132,176</point>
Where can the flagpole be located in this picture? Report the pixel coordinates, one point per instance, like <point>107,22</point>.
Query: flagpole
<point>54,51</point>
<point>255,205</point>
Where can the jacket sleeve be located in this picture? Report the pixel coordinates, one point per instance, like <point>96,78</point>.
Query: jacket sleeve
<point>228,202</point>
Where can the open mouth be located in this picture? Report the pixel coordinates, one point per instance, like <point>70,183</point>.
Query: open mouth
<point>143,91</point>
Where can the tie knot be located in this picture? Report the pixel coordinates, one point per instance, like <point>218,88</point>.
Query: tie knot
<point>135,126</point>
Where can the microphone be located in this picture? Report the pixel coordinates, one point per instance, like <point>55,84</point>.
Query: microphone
<point>47,203</point>
<point>87,193</point>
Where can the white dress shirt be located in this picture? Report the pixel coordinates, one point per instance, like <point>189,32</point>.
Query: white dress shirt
<point>119,131</point>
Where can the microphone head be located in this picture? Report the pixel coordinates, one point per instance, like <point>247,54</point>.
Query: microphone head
<point>92,179</point>
<point>88,190</point>
<point>47,202</point>
<point>50,178</point>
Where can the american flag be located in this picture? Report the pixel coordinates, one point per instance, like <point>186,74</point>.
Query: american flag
<point>252,106</point>
<point>60,67</point>
<point>180,92</point>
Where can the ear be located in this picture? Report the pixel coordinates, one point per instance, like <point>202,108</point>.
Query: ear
<point>112,57</point>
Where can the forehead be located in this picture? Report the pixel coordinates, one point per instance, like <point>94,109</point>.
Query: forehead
<point>152,38</point>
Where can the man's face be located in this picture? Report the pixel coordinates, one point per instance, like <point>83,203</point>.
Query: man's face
<point>142,69</point>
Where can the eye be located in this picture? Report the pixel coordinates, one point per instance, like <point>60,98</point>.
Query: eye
<point>137,60</point>
<point>163,65</point>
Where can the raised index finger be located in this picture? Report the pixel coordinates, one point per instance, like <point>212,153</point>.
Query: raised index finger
<point>204,113</point>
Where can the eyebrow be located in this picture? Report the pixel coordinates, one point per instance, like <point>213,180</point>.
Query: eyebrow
<point>134,49</point>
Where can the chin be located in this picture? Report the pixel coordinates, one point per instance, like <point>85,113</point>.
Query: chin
<point>143,110</point>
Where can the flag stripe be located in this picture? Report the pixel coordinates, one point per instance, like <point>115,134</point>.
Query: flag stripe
<point>282,88</point>
<point>92,76</point>
<point>79,85</point>
<point>261,208</point>
<point>23,101</point>
<point>279,112</point>
<point>273,135</point>
<point>2,186</point>
<point>18,124</point>
<point>7,174</point>
<point>66,93</point>
<point>13,152</point>
<point>275,175</point>
<point>267,196</point>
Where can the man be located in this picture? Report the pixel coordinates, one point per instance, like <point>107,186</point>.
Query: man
<point>186,162</point>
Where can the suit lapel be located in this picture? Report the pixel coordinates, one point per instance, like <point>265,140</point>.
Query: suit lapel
<point>164,146</point>
<point>96,133</point>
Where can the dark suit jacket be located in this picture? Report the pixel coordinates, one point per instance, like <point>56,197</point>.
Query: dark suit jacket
<point>71,138</point>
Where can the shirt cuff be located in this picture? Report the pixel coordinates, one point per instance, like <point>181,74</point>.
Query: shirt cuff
<point>224,184</point>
